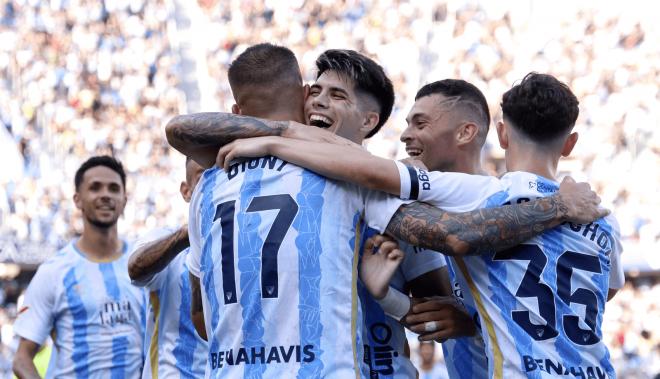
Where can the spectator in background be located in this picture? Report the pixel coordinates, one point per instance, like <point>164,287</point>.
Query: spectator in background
<point>430,367</point>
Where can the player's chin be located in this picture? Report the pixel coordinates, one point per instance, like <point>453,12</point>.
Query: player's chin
<point>104,221</point>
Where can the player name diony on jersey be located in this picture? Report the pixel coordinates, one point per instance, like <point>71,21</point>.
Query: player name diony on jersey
<point>557,368</point>
<point>268,162</point>
<point>263,355</point>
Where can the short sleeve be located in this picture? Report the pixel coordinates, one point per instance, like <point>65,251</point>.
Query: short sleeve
<point>451,191</point>
<point>37,316</point>
<point>617,277</point>
<point>156,280</point>
<point>193,259</point>
<point>418,262</point>
<point>379,209</point>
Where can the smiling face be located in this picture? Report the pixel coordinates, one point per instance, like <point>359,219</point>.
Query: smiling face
<point>430,135</point>
<point>334,104</point>
<point>101,196</point>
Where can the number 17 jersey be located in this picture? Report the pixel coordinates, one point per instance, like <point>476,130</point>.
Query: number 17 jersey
<point>540,303</point>
<point>276,247</point>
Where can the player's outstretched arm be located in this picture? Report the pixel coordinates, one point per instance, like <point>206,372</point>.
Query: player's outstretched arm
<point>486,230</point>
<point>347,162</point>
<point>196,307</point>
<point>151,258</point>
<point>200,135</point>
<point>23,364</point>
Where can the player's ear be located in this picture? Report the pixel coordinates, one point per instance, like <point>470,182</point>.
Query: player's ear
<point>369,123</point>
<point>466,133</point>
<point>502,135</point>
<point>77,200</point>
<point>235,109</point>
<point>305,91</point>
<point>569,144</point>
<point>185,190</point>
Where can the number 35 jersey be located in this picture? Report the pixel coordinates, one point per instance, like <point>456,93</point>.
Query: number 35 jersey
<point>275,247</point>
<point>540,303</point>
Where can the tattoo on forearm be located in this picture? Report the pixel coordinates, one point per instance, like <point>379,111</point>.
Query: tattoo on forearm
<point>213,128</point>
<point>477,232</point>
<point>154,257</point>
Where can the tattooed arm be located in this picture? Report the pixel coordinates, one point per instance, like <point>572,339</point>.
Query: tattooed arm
<point>196,308</point>
<point>478,232</point>
<point>151,258</point>
<point>200,135</point>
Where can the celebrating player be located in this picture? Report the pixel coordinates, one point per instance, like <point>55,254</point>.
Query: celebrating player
<point>540,303</point>
<point>204,130</point>
<point>83,295</point>
<point>158,262</point>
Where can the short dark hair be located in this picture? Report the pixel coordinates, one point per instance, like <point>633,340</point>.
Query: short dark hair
<point>467,93</point>
<point>263,65</point>
<point>101,160</point>
<point>368,76</point>
<point>541,107</point>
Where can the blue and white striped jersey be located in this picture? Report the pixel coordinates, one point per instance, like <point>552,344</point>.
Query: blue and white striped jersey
<point>465,357</point>
<point>276,250</point>
<point>172,347</point>
<point>385,337</point>
<point>94,312</point>
<point>540,303</point>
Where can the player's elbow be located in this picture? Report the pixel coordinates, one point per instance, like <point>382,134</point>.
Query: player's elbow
<point>173,129</point>
<point>135,270</point>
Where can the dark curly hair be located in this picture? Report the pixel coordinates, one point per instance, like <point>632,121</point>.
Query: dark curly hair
<point>541,107</point>
<point>368,76</point>
<point>102,160</point>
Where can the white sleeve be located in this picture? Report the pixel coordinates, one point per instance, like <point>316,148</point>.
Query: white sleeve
<point>156,280</point>
<point>451,191</point>
<point>37,316</point>
<point>418,262</point>
<point>379,209</point>
<point>617,277</point>
<point>193,260</point>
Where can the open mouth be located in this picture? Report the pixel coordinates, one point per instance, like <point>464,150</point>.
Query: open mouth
<point>320,121</point>
<point>414,152</point>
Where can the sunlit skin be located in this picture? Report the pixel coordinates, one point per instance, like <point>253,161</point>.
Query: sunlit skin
<point>101,198</point>
<point>333,97</point>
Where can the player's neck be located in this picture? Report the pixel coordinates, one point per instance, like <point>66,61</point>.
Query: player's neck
<point>466,165</point>
<point>100,244</point>
<point>529,159</point>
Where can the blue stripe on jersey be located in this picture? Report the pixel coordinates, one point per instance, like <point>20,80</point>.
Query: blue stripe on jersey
<point>119,350</point>
<point>458,357</point>
<point>206,264</point>
<point>80,352</point>
<point>186,343</point>
<point>308,225</point>
<point>250,247</point>
<point>110,280</point>
<point>119,344</point>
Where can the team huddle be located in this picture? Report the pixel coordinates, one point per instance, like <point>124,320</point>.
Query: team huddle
<point>306,256</point>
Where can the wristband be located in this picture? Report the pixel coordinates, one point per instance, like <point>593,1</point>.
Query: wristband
<point>395,304</point>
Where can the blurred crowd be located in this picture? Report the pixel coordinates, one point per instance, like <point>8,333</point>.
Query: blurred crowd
<point>82,77</point>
